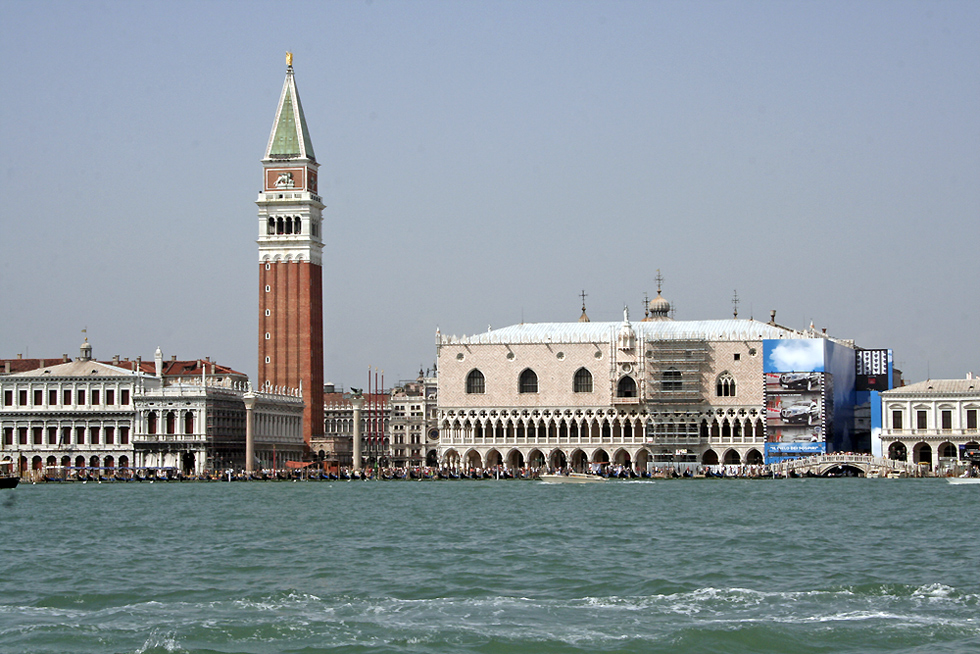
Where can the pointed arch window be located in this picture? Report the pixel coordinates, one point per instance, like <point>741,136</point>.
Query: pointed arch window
<point>528,382</point>
<point>476,382</point>
<point>725,387</point>
<point>626,387</point>
<point>583,381</point>
<point>670,381</point>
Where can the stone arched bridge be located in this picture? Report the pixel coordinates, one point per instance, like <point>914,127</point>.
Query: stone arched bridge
<point>820,465</point>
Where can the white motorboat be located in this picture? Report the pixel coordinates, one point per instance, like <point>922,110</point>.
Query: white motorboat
<point>571,478</point>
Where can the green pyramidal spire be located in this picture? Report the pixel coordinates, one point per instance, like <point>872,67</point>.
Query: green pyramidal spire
<point>290,138</point>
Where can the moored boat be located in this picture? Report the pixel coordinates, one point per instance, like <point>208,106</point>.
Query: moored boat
<point>8,479</point>
<point>963,480</point>
<point>571,478</point>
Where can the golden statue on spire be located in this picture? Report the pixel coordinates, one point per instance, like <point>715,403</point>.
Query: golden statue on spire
<point>289,59</point>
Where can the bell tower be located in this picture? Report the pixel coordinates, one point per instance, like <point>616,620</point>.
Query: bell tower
<point>290,258</point>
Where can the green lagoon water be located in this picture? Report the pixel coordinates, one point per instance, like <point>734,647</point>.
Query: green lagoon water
<point>729,566</point>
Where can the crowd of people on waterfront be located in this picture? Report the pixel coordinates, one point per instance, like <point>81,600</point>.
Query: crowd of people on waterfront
<point>379,473</point>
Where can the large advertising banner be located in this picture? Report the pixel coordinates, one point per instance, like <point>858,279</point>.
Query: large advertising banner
<point>795,408</point>
<point>797,389</point>
<point>813,380</point>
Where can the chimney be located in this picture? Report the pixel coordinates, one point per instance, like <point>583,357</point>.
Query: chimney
<point>772,317</point>
<point>6,367</point>
<point>42,363</point>
<point>173,357</point>
<point>115,359</point>
<point>64,358</point>
<point>20,356</point>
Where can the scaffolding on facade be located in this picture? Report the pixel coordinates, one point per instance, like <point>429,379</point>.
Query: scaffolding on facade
<point>676,371</point>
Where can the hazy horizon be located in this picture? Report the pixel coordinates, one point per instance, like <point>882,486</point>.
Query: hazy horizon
<point>484,163</point>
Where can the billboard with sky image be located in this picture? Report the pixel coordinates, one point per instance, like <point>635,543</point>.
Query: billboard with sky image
<point>809,386</point>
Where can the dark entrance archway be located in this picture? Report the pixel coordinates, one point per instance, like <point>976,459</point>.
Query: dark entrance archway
<point>898,452</point>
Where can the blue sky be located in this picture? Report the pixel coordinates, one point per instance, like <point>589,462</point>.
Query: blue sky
<point>483,163</point>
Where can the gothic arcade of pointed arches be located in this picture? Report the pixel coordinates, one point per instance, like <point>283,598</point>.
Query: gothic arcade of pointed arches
<point>562,438</point>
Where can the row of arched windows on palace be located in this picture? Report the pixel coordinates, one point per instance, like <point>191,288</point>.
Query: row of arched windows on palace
<point>527,382</point>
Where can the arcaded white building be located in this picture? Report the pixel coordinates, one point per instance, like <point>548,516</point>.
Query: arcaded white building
<point>201,424</point>
<point>576,394</point>
<point>931,422</point>
<point>189,416</point>
<point>74,414</point>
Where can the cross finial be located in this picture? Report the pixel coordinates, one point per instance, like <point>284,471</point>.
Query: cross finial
<point>660,281</point>
<point>583,317</point>
<point>735,303</point>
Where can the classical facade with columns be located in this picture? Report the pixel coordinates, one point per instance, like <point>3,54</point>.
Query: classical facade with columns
<point>933,422</point>
<point>195,427</point>
<point>95,417</point>
<point>209,423</point>
<point>586,394</point>
<point>72,415</point>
